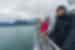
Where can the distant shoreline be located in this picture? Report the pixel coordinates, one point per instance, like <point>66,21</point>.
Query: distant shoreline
<point>18,23</point>
<point>15,24</point>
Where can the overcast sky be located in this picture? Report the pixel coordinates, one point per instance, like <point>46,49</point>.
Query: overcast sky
<point>27,9</point>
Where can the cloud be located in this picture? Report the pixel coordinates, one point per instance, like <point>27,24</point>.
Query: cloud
<point>28,9</point>
<point>39,8</point>
<point>34,8</point>
<point>7,4</point>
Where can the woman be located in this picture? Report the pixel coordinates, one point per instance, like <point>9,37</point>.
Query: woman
<point>44,27</point>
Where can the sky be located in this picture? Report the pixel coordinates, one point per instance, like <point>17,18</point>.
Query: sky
<point>27,9</point>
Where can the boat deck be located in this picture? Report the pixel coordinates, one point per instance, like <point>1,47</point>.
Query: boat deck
<point>44,44</point>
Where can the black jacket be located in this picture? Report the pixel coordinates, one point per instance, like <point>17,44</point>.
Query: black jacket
<point>70,41</point>
<point>61,30</point>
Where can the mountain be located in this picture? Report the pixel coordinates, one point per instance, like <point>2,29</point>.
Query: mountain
<point>18,22</point>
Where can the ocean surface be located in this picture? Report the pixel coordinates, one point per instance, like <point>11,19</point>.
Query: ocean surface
<point>16,37</point>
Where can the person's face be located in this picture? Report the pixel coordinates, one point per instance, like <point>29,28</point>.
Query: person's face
<point>60,12</point>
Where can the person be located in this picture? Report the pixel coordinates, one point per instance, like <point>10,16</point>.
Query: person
<point>70,41</point>
<point>44,27</point>
<point>62,26</point>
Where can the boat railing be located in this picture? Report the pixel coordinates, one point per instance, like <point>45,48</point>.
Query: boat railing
<point>50,43</point>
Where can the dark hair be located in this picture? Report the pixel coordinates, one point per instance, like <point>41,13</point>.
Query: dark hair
<point>61,7</point>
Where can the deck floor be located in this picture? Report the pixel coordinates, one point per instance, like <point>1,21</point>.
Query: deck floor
<point>44,44</point>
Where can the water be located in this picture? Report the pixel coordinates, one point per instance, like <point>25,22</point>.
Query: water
<point>16,38</point>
